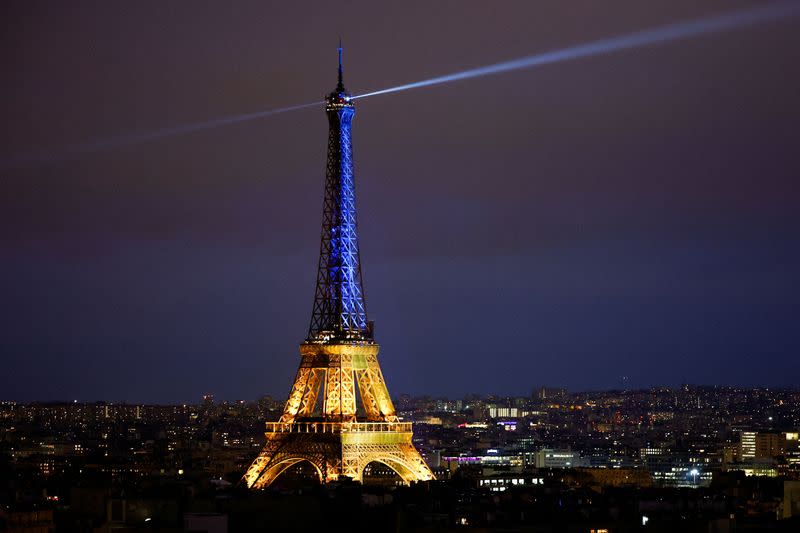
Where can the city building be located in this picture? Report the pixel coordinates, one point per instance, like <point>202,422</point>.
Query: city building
<point>549,458</point>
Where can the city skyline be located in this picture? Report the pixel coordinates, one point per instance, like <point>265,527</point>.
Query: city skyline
<point>635,217</point>
<point>698,455</point>
<point>497,396</point>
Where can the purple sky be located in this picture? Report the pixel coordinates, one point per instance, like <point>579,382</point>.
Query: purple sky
<point>634,214</point>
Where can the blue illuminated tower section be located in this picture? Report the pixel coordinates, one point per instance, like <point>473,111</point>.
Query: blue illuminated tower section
<point>339,312</point>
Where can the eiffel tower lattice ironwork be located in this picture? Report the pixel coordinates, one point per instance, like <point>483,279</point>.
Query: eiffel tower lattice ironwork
<point>339,356</point>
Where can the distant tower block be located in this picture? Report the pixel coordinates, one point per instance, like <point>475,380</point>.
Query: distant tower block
<point>340,353</point>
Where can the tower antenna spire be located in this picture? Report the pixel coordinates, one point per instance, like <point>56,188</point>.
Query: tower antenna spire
<point>340,86</point>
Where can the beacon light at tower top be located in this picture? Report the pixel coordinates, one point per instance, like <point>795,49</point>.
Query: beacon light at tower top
<point>764,13</point>
<point>339,101</point>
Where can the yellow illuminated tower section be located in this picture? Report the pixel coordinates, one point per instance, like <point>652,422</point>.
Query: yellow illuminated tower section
<point>322,423</point>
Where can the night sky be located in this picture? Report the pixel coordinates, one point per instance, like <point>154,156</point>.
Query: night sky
<point>634,214</point>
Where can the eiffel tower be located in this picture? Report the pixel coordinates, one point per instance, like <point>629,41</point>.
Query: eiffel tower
<point>339,357</point>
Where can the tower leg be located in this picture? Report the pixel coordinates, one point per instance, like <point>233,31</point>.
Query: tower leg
<point>284,450</point>
<point>393,449</point>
